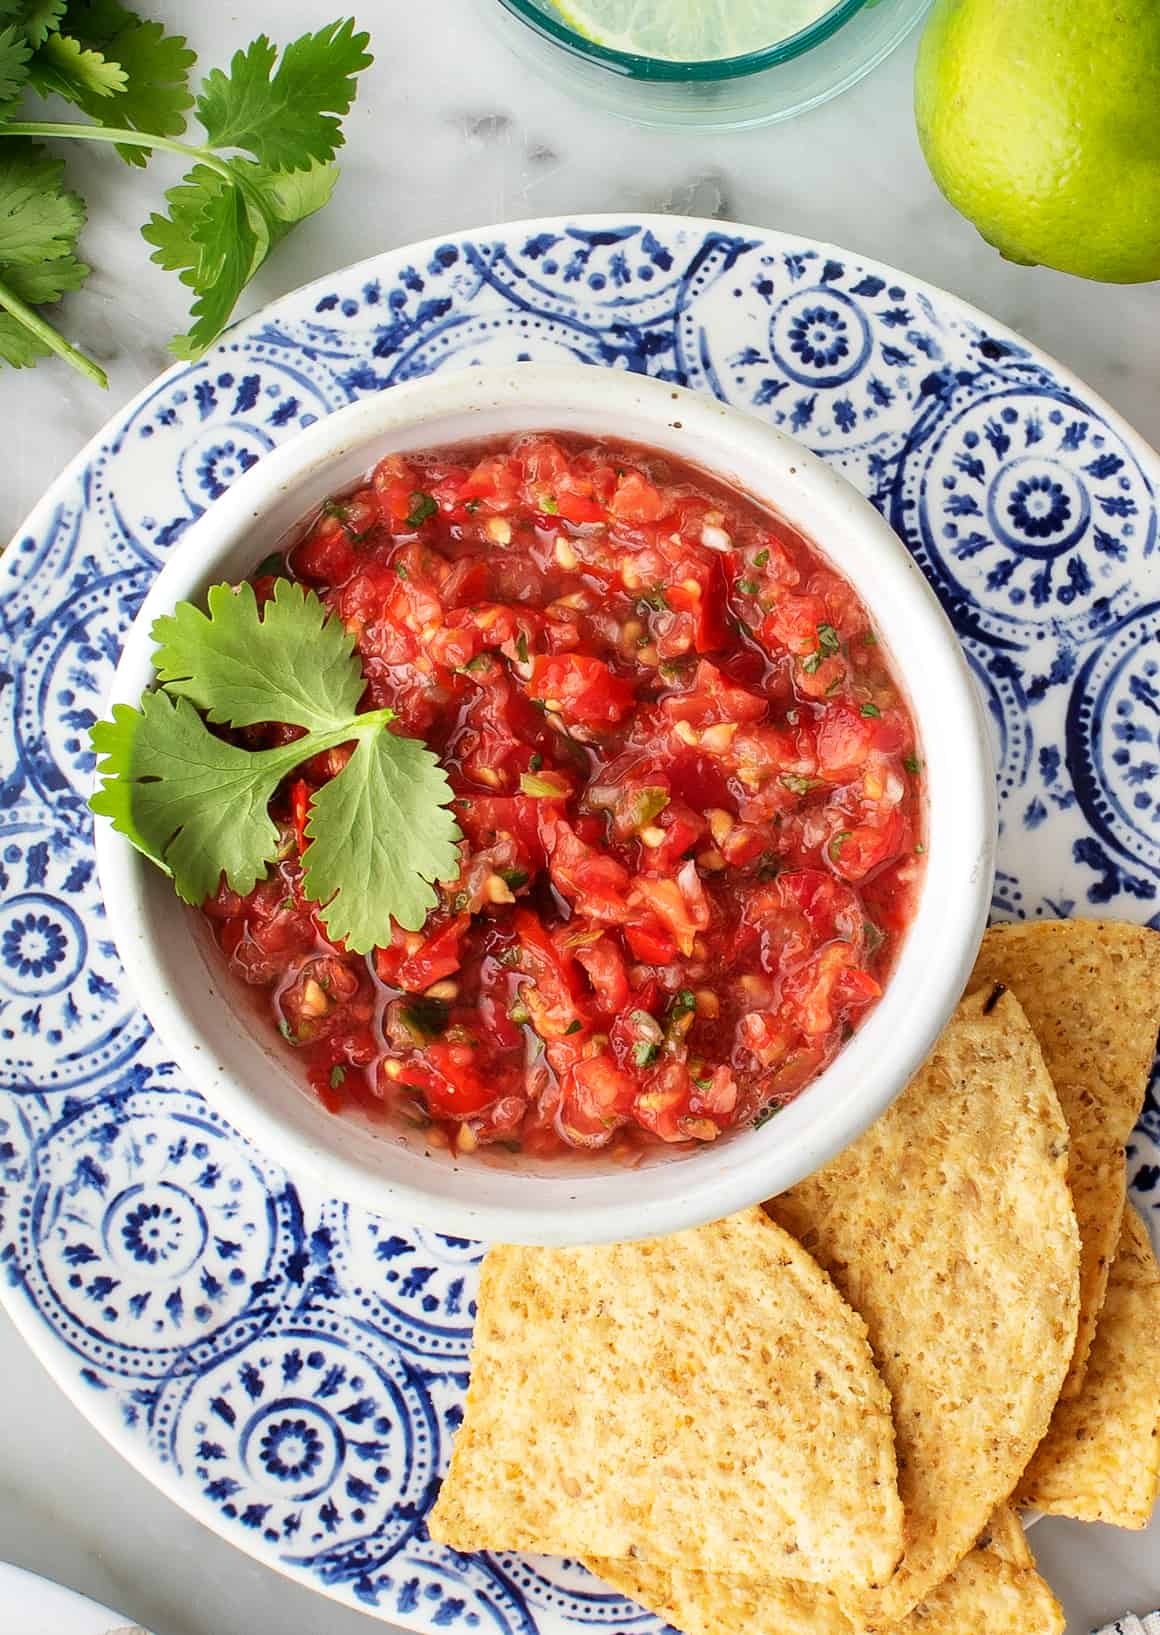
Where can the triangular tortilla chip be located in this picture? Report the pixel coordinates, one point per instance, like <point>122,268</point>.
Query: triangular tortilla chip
<point>1100,1459</point>
<point>1004,1537</point>
<point>704,1397</point>
<point>1091,991</point>
<point>950,1228</point>
<point>983,1594</point>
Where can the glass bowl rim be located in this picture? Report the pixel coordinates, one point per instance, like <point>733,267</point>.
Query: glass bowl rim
<point>708,70</point>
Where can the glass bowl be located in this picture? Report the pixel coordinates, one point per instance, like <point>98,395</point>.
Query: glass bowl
<point>726,93</point>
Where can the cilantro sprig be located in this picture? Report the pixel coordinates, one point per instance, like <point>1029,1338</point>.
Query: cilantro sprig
<point>272,127</point>
<point>379,833</point>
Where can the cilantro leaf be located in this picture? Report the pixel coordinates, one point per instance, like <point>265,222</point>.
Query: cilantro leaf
<point>38,219</point>
<point>380,827</point>
<point>18,345</point>
<point>83,76</point>
<point>217,235</point>
<point>39,224</point>
<point>283,110</point>
<point>285,197</point>
<point>47,281</point>
<point>97,20</point>
<point>15,52</point>
<point>379,832</point>
<point>156,93</point>
<point>209,238</point>
<point>193,803</point>
<point>230,210</point>
<point>34,18</point>
<point>285,117</point>
<point>42,18</point>
<point>242,666</point>
<point>189,202</point>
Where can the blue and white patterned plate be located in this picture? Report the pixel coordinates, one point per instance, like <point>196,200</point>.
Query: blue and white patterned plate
<point>287,1368</point>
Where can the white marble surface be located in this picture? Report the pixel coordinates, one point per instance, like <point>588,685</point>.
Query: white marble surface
<point>449,132</point>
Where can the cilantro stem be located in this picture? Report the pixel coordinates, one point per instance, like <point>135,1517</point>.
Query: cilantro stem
<point>52,338</point>
<point>127,138</point>
<point>284,758</point>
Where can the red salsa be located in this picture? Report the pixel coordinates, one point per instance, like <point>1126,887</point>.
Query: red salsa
<point>687,782</point>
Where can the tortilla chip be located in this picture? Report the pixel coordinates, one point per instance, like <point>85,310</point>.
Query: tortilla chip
<point>950,1228</point>
<point>724,1603</point>
<point>983,1593</point>
<point>987,1593</point>
<point>1004,1537</point>
<point>1100,1460</point>
<point>704,1397</point>
<point>1091,991</point>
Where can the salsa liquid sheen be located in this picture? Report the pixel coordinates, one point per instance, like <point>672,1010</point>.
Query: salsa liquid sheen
<point>688,787</point>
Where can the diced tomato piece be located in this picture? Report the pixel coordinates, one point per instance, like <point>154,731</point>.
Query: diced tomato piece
<point>326,556</point>
<point>844,610</point>
<point>545,464</point>
<point>844,739</point>
<point>583,689</point>
<point>396,485</point>
<point>226,905</point>
<point>596,884</point>
<point>810,991</point>
<point>718,1098</point>
<point>551,995</point>
<point>682,829</point>
<point>457,1089</point>
<point>579,508</point>
<point>712,698</point>
<point>829,906</point>
<point>483,818</point>
<point>819,680</point>
<point>438,956</point>
<point>762,752</point>
<point>893,731</point>
<point>856,852</point>
<point>604,964</point>
<point>496,1024</point>
<point>453,646</point>
<point>680,904</point>
<point>744,843</point>
<point>495,482</point>
<point>468,581</point>
<point>636,500</point>
<point>772,565</point>
<point>857,987</point>
<point>663,1106</point>
<point>765,1035</point>
<point>650,942</point>
<point>601,1088</point>
<point>793,624</point>
<point>698,597</point>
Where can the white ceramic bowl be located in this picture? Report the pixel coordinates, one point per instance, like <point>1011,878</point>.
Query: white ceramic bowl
<point>228,1049</point>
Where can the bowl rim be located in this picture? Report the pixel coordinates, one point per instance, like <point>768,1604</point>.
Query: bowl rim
<point>716,1180</point>
<point>638,67</point>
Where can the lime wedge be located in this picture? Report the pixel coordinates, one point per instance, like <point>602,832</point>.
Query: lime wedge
<point>689,30</point>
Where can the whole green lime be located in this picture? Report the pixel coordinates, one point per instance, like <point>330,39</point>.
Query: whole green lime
<point>1040,120</point>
